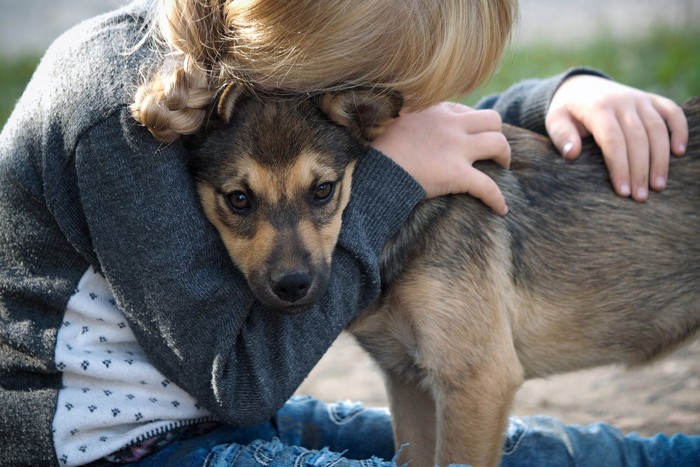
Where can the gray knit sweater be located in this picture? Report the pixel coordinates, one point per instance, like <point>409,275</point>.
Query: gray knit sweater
<point>83,185</point>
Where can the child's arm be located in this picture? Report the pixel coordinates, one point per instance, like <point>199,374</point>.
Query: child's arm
<point>190,309</point>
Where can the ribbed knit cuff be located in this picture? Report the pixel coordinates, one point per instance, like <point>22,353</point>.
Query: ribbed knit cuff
<point>383,195</point>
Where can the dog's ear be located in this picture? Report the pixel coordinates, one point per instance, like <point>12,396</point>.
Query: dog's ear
<point>218,115</point>
<point>226,102</point>
<point>364,111</point>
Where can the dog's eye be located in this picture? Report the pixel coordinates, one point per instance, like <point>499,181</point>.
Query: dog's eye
<point>238,201</point>
<point>324,191</point>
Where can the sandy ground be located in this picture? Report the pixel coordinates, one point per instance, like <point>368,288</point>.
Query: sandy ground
<point>662,397</point>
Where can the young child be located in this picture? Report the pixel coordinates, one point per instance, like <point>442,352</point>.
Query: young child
<point>128,335</point>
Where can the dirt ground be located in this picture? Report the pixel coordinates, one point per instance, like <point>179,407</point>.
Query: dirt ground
<point>662,397</point>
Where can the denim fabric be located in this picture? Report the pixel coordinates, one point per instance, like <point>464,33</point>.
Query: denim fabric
<point>307,432</point>
<point>545,441</point>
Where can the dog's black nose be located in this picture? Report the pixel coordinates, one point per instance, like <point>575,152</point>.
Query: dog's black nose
<point>292,287</point>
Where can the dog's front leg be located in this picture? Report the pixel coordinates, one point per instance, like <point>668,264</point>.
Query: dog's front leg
<point>413,419</point>
<point>472,410</point>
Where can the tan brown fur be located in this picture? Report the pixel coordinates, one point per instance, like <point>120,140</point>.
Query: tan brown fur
<point>474,303</point>
<point>247,254</point>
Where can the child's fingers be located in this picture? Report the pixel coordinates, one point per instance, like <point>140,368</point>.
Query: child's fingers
<point>483,187</point>
<point>564,133</point>
<point>457,107</point>
<point>676,122</point>
<point>659,145</point>
<point>489,145</point>
<point>637,142</point>
<point>609,135</point>
<point>478,121</point>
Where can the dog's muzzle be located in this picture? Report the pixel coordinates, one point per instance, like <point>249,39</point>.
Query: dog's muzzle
<point>292,287</point>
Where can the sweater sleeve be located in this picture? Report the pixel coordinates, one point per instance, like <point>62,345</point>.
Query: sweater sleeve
<point>525,104</point>
<point>188,306</point>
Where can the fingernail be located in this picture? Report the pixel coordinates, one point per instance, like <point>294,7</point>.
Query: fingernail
<point>625,190</point>
<point>567,148</point>
<point>681,148</point>
<point>642,194</point>
<point>660,183</point>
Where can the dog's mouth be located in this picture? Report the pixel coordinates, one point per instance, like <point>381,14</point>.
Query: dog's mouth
<point>294,309</point>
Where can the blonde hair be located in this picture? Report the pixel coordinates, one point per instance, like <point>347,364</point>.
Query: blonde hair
<point>428,50</point>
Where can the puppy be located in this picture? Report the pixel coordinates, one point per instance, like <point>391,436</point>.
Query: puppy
<point>473,303</point>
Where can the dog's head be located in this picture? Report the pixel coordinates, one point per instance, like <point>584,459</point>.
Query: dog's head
<point>274,176</point>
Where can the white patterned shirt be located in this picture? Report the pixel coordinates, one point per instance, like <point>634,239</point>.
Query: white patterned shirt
<point>112,397</point>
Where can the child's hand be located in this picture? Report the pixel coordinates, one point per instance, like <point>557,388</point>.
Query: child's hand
<point>636,130</point>
<point>438,146</point>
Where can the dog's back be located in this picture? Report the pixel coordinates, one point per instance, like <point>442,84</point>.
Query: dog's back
<point>620,277</point>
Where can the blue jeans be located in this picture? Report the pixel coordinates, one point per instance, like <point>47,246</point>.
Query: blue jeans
<point>307,432</point>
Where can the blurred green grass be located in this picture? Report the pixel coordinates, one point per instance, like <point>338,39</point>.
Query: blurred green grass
<point>14,76</point>
<point>666,62</point>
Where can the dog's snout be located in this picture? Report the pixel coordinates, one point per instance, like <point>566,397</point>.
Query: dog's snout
<point>292,287</point>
